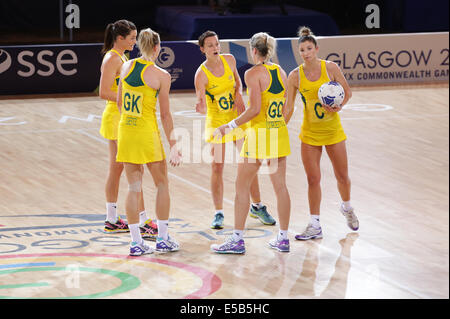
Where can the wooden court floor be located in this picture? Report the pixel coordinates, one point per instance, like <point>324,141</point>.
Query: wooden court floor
<point>53,164</point>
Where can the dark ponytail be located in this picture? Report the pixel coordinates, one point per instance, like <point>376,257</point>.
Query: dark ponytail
<point>113,30</point>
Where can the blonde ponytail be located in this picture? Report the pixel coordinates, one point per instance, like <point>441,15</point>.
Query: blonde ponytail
<point>264,44</point>
<point>147,41</point>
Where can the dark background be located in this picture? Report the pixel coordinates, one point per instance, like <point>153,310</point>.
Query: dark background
<point>38,22</point>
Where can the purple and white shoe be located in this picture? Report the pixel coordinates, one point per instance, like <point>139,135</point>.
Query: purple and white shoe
<point>310,233</point>
<point>352,220</point>
<point>168,245</point>
<point>280,244</point>
<point>140,249</point>
<point>230,246</point>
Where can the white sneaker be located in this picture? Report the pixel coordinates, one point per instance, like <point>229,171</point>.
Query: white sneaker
<point>310,233</point>
<point>168,245</point>
<point>352,220</point>
<point>140,249</point>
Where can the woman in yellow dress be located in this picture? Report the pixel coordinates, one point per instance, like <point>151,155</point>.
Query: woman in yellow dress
<point>218,89</point>
<point>321,127</point>
<point>267,139</point>
<point>141,85</point>
<point>120,36</point>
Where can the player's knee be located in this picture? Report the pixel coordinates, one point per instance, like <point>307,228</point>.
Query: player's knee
<point>217,168</point>
<point>135,187</point>
<point>313,180</point>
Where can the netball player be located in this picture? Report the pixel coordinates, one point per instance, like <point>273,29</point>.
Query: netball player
<point>267,139</point>
<point>120,36</point>
<point>139,142</point>
<point>321,128</point>
<point>219,95</point>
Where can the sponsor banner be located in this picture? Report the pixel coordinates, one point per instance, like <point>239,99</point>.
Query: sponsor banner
<point>364,60</point>
<point>181,59</point>
<point>49,68</point>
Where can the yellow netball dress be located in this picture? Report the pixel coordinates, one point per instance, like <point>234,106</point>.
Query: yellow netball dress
<point>267,135</point>
<point>111,115</point>
<point>139,140</point>
<point>220,93</point>
<point>319,126</point>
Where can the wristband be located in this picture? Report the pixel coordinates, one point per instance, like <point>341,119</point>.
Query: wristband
<point>232,124</point>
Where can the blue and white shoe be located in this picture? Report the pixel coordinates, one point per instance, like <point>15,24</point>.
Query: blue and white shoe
<point>280,244</point>
<point>217,223</point>
<point>262,214</point>
<point>140,249</point>
<point>230,246</point>
<point>168,245</point>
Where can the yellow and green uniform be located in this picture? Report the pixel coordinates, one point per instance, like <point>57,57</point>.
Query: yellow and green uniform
<point>139,139</point>
<point>111,115</point>
<point>319,127</point>
<point>267,136</point>
<point>220,93</point>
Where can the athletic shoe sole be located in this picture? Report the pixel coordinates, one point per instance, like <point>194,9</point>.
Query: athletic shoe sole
<point>261,220</point>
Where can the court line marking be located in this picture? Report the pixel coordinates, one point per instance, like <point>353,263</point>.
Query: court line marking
<point>26,265</point>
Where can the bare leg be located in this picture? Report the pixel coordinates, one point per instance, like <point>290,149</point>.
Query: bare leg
<point>158,170</point>
<point>255,193</point>
<point>218,153</point>
<point>114,173</point>
<point>278,179</point>
<point>246,173</point>
<point>311,162</point>
<point>338,157</point>
<point>134,177</point>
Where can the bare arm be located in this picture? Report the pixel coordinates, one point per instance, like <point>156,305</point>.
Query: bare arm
<point>336,74</point>
<point>200,82</point>
<point>291,94</point>
<point>254,92</point>
<point>166,115</point>
<point>166,118</point>
<point>109,70</point>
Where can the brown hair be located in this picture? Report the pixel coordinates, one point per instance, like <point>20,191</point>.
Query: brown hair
<point>113,30</point>
<point>305,34</point>
<point>207,34</point>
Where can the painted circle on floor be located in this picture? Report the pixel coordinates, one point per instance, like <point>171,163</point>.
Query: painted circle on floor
<point>92,275</point>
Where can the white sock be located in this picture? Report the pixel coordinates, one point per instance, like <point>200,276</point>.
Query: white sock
<point>135,233</point>
<point>111,212</point>
<point>283,234</point>
<point>238,234</point>
<point>315,221</point>
<point>346,205</point>
<point>142,218</point>
<point>162,229</point>
<point>219,211</point>
<point>257,205</point>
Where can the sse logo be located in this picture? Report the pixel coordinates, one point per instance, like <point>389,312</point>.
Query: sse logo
<point>5,61</point>
<point>43,63</point>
